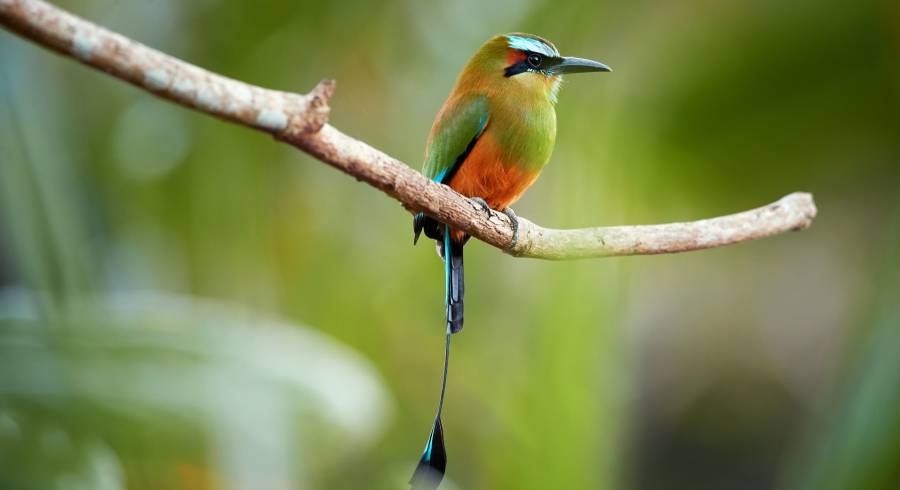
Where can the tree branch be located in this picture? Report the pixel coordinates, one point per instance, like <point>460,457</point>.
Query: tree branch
<point>300,120</point>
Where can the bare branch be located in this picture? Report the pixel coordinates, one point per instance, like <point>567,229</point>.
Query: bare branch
<point>790,213</point>
<point>300,120</point>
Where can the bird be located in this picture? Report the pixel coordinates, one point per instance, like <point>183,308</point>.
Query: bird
<point>489,142</point>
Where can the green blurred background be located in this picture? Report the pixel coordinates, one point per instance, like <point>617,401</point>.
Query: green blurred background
<point>187,304</point>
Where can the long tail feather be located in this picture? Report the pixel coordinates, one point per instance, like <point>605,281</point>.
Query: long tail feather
<point>430,470</point>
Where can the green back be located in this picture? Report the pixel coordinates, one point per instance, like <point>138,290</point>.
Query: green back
<point>456,129</point>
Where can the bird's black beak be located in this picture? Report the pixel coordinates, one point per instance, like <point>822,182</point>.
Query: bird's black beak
<point>571,64</point>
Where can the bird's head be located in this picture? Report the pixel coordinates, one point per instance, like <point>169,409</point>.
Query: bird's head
<point>530,62</point>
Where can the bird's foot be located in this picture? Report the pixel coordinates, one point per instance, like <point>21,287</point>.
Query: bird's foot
<point>482,204</point>
<point>514,220</point>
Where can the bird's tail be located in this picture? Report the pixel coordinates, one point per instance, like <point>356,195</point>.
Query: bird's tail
<point>430,470</point>
<point>451,251</point>
<point>453,270</point>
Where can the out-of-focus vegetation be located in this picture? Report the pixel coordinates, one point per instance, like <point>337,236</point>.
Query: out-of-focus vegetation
<point>156,264</point>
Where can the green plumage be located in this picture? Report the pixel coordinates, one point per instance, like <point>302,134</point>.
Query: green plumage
<point>456,130</point>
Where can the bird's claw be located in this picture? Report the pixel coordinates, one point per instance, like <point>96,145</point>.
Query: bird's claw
<point>514,220</point>
<point>482,204</point>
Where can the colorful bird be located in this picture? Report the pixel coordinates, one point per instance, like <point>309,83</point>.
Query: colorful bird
<point>489,142</point>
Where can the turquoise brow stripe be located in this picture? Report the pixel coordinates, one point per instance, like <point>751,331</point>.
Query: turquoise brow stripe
<point>530,44</point>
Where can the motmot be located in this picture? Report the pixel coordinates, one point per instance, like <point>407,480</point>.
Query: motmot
<point>489,142</point>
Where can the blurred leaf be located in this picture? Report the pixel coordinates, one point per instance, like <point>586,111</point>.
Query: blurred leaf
<point>165,387</point>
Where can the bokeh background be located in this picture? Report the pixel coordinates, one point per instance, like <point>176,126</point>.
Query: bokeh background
<point>187,304</point>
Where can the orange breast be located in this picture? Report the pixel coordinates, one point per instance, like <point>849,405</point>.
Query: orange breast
<point>487,175</point>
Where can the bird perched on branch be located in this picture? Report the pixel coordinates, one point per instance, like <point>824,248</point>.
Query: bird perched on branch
<point>489,142</point>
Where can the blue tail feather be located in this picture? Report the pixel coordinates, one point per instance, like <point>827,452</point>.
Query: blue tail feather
<point>430,470</point>
<point>433,463</point>
<point>455,285</point>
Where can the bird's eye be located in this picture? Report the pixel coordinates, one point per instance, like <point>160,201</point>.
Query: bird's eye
<point>534,60</point>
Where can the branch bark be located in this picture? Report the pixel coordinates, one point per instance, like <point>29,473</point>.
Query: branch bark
<point>301,120</point>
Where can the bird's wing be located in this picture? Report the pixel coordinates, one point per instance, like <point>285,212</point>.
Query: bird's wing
<point>455,132</point>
